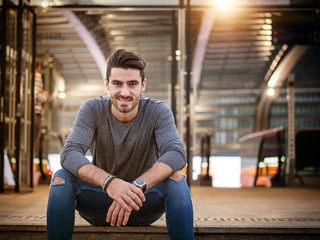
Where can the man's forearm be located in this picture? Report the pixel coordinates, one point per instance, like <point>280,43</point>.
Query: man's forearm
<point>92,174</point>
<point>155,175</point>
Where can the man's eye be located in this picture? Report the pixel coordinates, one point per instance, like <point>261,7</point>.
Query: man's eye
<point>133,84</point>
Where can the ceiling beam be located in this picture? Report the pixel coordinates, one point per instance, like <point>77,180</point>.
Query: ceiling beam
<point>279,76</point>
<point>201,46</point>
<point>89,41</point>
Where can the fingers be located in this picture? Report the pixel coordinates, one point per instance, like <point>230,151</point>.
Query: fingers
<point>135,197</point>
<point>129,196</point>
<point>135,205</point>
<point>124,204</point>
<point>129,201</point>
<point>138,193</point>
<point>117,215</point>
<point>126,218</point>
<point>126,198</point>
<point>110,211</point>
<point>120,217</point>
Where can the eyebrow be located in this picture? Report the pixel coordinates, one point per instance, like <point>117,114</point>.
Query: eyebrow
<point>130,81</point>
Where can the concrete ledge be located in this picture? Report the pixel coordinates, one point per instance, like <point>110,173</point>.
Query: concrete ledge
<point>36,232</point>
<point>241,214</point>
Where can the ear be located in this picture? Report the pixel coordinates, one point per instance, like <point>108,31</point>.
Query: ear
<point>144,85</point>
<point>106,83</point>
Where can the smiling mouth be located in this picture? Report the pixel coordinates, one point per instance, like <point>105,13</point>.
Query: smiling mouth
<point>124,100</point>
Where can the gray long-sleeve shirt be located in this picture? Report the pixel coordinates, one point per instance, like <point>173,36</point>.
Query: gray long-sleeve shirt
<point>123,149</point>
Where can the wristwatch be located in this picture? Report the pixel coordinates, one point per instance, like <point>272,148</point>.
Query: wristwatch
<point>141,184</point>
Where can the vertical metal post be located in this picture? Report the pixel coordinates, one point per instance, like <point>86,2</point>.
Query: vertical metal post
<point>187,94</point>
<point>31,138</point>
<point>174,69</point>
<point>291,130</point>
<point>18,100</point>
<point>2,89</point>
<point>181,66</point>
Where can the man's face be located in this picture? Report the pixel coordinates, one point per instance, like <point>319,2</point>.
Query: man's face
<point>125,87</point>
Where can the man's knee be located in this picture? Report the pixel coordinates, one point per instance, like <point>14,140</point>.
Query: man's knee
<point>58,180</point>
<point>62,176</point>
<point>178,176</point>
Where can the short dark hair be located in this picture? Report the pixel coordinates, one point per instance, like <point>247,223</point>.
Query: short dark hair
<point>126,59</point>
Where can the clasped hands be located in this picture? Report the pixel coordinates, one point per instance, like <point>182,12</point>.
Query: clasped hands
<point>126,197</point>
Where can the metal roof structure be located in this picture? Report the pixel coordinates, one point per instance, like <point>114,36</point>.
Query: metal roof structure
<point>234,53</point>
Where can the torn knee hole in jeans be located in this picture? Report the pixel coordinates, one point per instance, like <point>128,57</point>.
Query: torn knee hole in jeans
<point>177,176</point>
<point>58,180</point>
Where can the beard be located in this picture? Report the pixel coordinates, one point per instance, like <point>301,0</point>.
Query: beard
<point>124,108</point>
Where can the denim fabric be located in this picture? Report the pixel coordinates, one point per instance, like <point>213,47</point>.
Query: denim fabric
<point>170,196</point>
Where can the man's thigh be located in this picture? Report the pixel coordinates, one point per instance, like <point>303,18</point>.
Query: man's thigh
<point>152,209</point>
<point>93,204</point>
<point>158,197</point>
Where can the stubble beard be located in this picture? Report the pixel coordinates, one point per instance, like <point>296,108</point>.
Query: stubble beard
<point>124,108</point>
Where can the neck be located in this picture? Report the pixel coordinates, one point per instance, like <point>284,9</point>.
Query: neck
<point>124,117</point>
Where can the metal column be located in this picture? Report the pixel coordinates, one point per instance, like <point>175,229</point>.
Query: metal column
<point>187,93</point>
<point>174,67</point>
<point>291,130</point>
<point>2,86</point>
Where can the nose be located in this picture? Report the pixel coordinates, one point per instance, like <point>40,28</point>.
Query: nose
<point>125,91</point>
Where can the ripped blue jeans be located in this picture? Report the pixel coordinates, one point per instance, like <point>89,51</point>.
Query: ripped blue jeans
<point>171,196</point>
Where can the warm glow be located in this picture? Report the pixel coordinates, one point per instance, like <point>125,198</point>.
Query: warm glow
<point>61,88</point>
<point>44,4</point>
<point>265,32</point>
<point>268,21</point>
<point>225,4</point>
<point>62,95</point>
<point>270,92</point>
<point>268,15</point>
<point>273,80</point>
<point>268,43</point>
<point>268,38</point>
<point>266,27</point>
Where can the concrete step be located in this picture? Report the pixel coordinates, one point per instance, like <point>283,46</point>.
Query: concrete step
<point>154,233</point>
<point>259,213</point>
<point>15,227</point>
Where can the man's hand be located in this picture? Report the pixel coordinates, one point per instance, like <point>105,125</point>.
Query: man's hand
<point>117,215</point>
<point>126,195</point>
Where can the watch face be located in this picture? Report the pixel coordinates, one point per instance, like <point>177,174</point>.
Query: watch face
<point>140,182</point>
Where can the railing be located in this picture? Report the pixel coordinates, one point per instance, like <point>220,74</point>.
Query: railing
<point>262,158</point>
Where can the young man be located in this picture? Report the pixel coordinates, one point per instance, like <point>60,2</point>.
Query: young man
<point>137,154</point>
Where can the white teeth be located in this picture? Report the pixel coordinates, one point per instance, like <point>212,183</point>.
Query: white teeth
<point>125,99</point>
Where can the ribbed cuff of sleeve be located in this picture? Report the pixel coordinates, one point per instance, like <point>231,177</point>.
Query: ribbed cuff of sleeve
<point>175,160</point>
<point>73,162</point>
